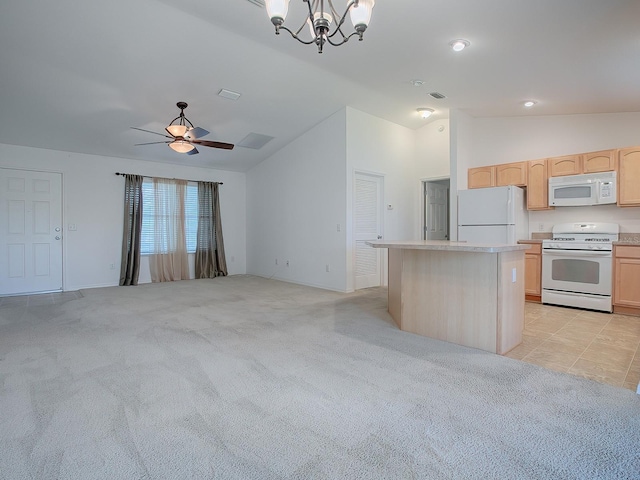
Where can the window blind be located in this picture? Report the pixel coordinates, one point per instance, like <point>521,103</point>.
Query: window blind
<point>149,219</point>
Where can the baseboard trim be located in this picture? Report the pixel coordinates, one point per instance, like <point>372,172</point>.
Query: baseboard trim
<point>626,310</point>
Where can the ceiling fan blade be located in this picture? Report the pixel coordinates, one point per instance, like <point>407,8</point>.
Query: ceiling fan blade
<point>196,132</point>
<point>149,131</point>
<point>192,152</point>
<point>208,143</point>
<point>148,143</point>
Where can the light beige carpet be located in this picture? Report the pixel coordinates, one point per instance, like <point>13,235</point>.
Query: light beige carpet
<point>248,378</point>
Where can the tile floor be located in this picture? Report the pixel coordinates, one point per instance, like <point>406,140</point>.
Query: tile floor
<point>601,346</point>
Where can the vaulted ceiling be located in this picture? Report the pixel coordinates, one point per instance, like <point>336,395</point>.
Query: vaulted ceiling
<point>75,76</point>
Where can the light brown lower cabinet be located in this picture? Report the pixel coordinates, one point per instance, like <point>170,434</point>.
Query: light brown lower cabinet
<point>626,279</point>
<point>533,272</point>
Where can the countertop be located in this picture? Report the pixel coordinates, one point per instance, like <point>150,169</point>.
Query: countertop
<point>448,246</point>
<point>628,239</point>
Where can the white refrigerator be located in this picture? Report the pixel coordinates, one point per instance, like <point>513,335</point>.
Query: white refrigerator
<point>492,215</point>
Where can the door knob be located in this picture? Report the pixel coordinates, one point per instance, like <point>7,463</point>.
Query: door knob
<point>57,237</point>
<point>379,237</point>
<point>57,229</point>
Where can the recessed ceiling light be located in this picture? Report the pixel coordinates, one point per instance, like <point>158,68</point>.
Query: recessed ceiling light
<point>417,83</point>
<point>425,112</point>
<point>530,103</point>
<point>459,44</point>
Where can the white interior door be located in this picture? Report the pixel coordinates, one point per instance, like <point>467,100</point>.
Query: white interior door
<point>436,211</point>
<point>30,231</point>
<point>368,227</point>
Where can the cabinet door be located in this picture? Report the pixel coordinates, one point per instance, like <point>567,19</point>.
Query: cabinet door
<point>568,165</point>
<point>537,186</point>
<point>627,282</point>
<point>481,177</point>
<point>604,161</point>
<point>532,274</point>
<point>629,176</point>
<point>511,174</point>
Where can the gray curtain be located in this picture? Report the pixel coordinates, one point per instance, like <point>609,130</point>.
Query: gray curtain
<point>210,261</point>
<point>130,263</point>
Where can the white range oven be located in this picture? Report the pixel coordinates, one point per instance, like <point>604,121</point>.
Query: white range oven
<point>577,265</point>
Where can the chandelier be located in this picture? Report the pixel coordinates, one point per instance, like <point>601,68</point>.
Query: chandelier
<point>321,20</point>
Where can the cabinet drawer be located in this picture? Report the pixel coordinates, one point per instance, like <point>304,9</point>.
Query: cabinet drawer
<point>536,247</point>
<point>627,251</point>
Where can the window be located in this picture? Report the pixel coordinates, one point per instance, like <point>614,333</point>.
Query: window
<point>149,219</point>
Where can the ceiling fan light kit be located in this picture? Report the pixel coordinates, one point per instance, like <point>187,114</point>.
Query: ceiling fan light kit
<point>320,20</point>
<point>181,146</point>
<point>183,136</point>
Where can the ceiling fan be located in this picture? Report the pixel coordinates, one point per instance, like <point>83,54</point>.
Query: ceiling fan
<point>183,136</point>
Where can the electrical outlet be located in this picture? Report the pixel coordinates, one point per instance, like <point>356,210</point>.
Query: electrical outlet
<point>327,267</point>
<point>276,261</point>
<point>287,263</point>
<point>338,227</point>
<point>541,227</point>
<point>113,266</point>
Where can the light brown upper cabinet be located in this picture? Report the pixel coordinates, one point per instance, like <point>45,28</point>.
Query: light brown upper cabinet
<point>629,176</point>
<point>511,174</point>
<point>538,186</point>
<point>567,165</point>
<point>481,177</point>
<point>604,161</point>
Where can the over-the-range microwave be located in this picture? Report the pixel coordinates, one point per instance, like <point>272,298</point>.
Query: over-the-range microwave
<point>577,190</point>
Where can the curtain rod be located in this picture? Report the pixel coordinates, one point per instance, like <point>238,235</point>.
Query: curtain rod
<point>146,176</point>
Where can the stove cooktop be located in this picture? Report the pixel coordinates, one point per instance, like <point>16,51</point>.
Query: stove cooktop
<point>583,236</point>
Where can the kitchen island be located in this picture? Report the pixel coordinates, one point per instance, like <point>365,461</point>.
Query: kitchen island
<point>465,293</point>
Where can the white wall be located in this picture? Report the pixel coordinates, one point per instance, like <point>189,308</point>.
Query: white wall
<point>512,139</point>
<point>377,146</point>
<point>295,200</point>
<point>502,140</point>
<point>432,150</point>
<point>93,199</point>
<point>432,162</point>
<point>462,157</point>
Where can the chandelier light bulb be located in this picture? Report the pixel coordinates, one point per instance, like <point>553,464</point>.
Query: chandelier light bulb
<point>277,10</point>
<point>361,14</point>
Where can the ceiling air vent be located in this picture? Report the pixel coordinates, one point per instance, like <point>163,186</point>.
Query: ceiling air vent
<point>255,141</point>
<point>437,95</point>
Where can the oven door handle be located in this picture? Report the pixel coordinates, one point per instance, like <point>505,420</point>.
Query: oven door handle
<point>576,253</point>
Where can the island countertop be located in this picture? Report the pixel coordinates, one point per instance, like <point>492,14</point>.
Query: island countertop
<point>467,293</point>
<point>448,246</point>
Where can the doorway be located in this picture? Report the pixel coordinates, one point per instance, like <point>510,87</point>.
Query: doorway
<point>436,209</point>
<point>30,232</point>
<point>368,210</point>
